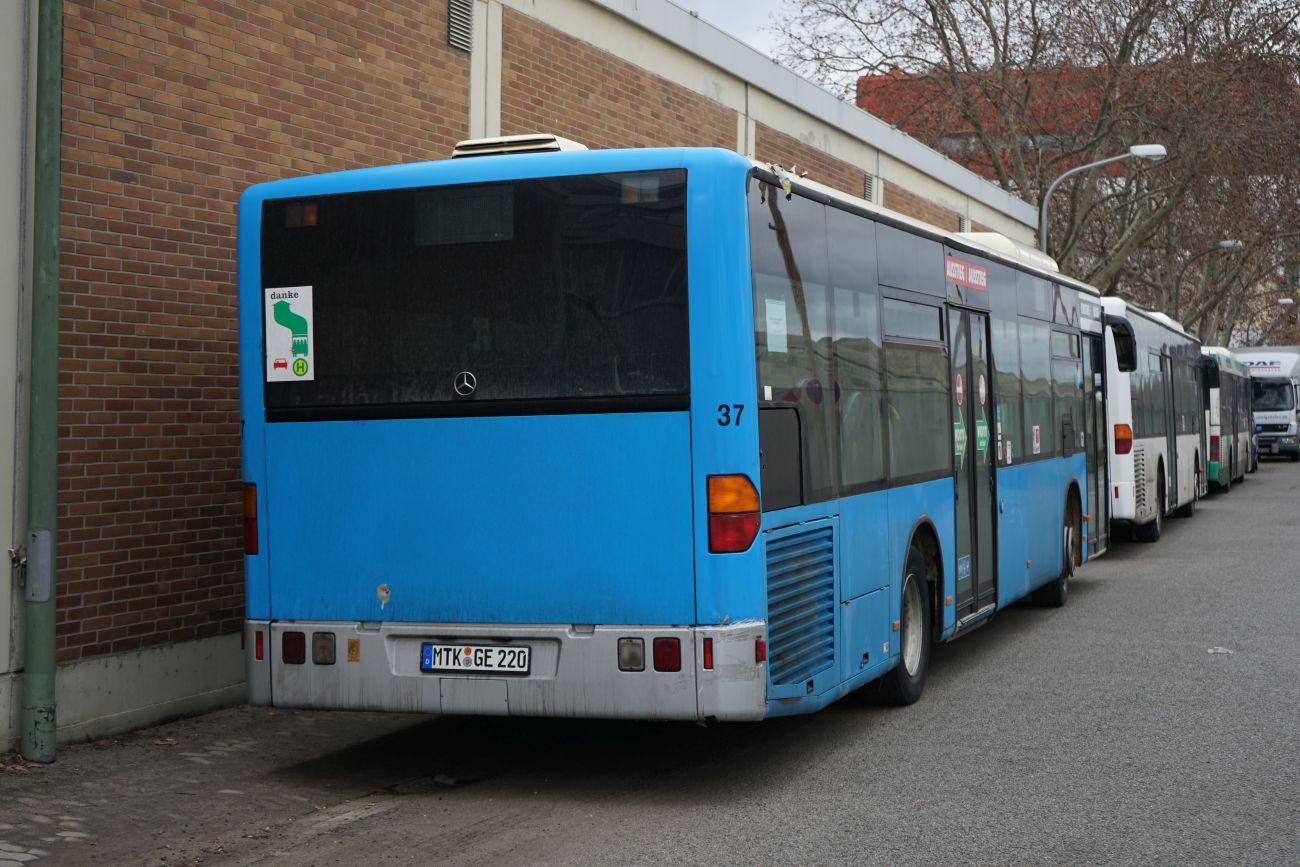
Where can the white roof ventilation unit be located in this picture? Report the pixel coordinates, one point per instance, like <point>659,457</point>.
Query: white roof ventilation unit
<point>514,144</point>
<point>1012,249</point>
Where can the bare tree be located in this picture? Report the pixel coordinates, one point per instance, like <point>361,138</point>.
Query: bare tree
<point>1024,91</point>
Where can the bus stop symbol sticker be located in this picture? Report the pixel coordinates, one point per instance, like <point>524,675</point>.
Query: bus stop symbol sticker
<point>289,338</point>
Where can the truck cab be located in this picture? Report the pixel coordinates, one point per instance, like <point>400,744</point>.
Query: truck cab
<point>1275,380</point>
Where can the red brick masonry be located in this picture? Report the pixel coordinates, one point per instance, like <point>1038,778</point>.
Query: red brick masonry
<point>171,109</point>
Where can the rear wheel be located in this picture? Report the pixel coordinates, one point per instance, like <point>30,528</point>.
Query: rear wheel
<point>1055,594</point>
<point>1188,509</point>
<point>1150,532</point>
<point>904,683</point>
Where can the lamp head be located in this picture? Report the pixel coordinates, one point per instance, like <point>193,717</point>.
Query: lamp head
<point>1148,151</point>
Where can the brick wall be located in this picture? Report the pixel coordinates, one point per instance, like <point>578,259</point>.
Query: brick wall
<point>905,202</point>
<point>771,146</point>
<point>171,108</point>
<point>551,82</point>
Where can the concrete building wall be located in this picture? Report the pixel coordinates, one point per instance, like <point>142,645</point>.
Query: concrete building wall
<point>172,108</point>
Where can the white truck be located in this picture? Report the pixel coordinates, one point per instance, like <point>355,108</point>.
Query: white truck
<point>1275,386</point>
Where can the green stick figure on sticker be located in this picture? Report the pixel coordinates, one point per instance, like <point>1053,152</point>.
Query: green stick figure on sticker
<point>296,324</point>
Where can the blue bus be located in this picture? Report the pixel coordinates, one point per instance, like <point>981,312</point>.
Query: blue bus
<point>655,433</point>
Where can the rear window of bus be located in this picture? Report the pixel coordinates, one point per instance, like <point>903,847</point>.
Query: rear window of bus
<point>550,293</point>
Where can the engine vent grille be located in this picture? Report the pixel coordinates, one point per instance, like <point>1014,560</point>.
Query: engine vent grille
<point>800,605</point>
<point>1140,479</point>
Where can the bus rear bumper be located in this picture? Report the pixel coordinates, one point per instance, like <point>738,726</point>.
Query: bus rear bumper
<point>573,671</point>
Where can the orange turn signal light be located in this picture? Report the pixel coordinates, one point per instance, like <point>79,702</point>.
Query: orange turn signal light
<point>1123,439</point>
<point>732,495</point>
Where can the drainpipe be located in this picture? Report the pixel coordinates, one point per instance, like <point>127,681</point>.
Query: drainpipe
<point>38,721</point>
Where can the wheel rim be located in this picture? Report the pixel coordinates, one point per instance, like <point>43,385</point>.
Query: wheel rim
<point>1069,551</point>
<point>912,625</point>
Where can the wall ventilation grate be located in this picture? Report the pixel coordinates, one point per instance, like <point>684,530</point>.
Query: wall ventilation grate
<point>460,24</point>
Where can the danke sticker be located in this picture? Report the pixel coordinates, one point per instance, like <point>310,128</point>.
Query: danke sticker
<point>290,338</point>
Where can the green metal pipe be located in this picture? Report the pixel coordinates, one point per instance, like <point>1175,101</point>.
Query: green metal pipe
<point>38,719</point>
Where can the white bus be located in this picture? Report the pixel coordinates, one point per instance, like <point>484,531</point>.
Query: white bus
<point>1228,424</point>
<point>1157,418</point>
<point>1275,385</point>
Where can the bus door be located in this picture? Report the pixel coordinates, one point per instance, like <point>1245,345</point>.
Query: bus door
<point>972,402</point>
<point>1095,445</point>
<point>1171,431</point>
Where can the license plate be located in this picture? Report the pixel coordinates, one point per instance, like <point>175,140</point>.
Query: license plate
<point>1274,448</point>
<point>503,659</point>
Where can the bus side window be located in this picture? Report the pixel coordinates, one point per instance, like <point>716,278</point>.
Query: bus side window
<point>920,434</point>
<point>858,353</point>
<point>1036,373</point>
<point>1157,399</point>
<point>1006,359</point>
<point>1067,382</point>
<point>792,333</point>
<point>917,391</point>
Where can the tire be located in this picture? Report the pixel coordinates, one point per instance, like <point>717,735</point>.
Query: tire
<point>1225,475</point>
<point>1188,509</point>
<point>1056,593</point>
<point>903,684</point>
<point>1150,532</point>
<point>1295,457</point>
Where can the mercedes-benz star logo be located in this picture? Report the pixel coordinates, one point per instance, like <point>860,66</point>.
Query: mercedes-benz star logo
<point>465,383</point>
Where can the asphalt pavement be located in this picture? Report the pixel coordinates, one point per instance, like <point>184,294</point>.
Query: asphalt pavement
<point>1153,720</point>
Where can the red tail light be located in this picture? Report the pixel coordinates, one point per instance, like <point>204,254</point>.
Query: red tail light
<point>293,648</point>
<point>668,654</point>
<point>1123,439</point>
<point>733,514</point>
<point>258,653</point>
<point>708,654</point>
<point>760,650</point>
<point>730,534</point>
<point>1214,448</point>
<point>250,518</point>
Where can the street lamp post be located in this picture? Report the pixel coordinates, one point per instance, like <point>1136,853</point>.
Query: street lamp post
<point>1226,244</point>
<point>1142,152</point>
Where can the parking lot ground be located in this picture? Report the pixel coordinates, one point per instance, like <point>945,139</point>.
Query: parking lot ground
<point>1151,720</point>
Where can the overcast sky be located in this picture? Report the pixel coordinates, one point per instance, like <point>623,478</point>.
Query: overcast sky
<point>743,19</point>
